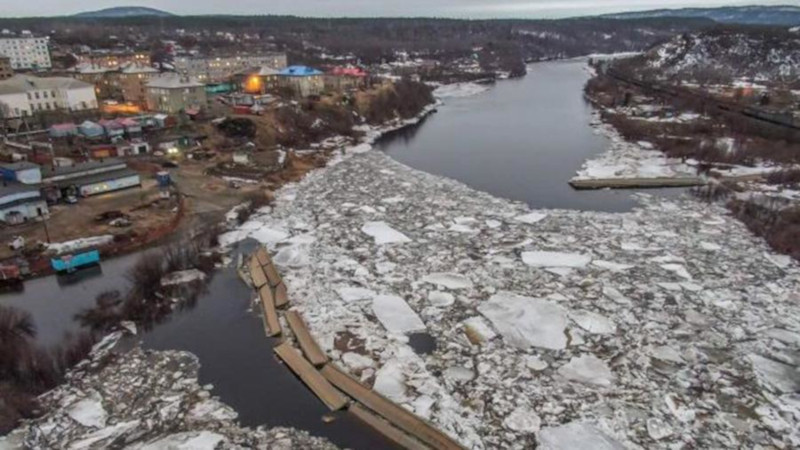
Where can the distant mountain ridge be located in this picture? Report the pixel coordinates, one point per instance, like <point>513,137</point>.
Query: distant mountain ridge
<point>124,11</point>
<point>782,15</point>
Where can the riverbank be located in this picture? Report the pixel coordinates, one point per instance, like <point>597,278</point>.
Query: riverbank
<point>625,315</point>
<point>143,399</point>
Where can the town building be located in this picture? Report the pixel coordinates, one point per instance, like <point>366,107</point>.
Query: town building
<point>26,52</point>
<point>104,86</point>
<point>20,197</point>
<point>6,71</point>
<point>24,95</point>
<point>221,68</point>
<point>345,78</point>
<point>174,93</point>
<point>114,60</point>
<point>88,179</point>
<point>132,80</point>
<point>302,81</point>
<point>258,80</point>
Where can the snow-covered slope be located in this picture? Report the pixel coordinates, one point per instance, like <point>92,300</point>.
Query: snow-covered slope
<point>751,14</point>
<point>729,53</point>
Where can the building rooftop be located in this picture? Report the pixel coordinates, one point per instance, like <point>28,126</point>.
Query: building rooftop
<point>20,165</point>
<point>20,84</point>
<point>299,71</point>
<point>96,178</point>
<point>49,172</point>
<point>138,68</point>
<point>173,81</point>
<point>8,187</point>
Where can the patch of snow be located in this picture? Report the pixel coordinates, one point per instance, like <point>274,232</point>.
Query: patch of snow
<point>182,277</point>
<point>458,90</point>
<point>390,381</point>
<point>79,244</point>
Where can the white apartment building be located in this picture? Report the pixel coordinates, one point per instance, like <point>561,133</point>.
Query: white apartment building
<point>25,95</point>
<point>26,52</point>
<point>213,69</point>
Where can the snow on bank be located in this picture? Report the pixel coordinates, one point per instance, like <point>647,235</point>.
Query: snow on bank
<point>625,159</point>
<point>611,349</point>
<point>459,90</point>
<point>79,244</point>
<point>143,400</point>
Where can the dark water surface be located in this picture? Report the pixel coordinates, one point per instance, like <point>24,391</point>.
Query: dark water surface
<point>522,139</point>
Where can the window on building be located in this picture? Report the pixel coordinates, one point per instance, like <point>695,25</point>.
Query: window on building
<point>36,94</point>
<point>53,94</point>
<point>47,106</point>
<point>44,94</point>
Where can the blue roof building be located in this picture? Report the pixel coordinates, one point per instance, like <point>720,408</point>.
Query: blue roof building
<point>301,80</point>
<point>299,71</point>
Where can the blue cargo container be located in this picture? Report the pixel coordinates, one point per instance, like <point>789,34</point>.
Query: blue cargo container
<point>71,263</point>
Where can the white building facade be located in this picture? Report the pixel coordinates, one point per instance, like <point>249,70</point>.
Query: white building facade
<point>219,69</point>
<point>24,95</point>
<point>26,52</point>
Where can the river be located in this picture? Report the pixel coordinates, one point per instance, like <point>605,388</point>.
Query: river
<point>521,139</point>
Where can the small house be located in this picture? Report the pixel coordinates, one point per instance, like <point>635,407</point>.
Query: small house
<point>61,130</point>
<point>20,203</point>
<point>103,151</point>
<point>345,78</point>
<point>91,129</point>
<point>113,128</point>
<point>131,126</point>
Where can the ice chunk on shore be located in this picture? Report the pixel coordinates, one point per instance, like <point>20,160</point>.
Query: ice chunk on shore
<point>612,266</point>
<point>296,255</point>
<point>576,436</point>
<point>188,440</point>
<point>677,269</point>
<point>587,369</point>
<point>89,411</point>
<point>593,323</point>
<point>555,259</point>
<point>774,375</point>
<point>390,381</point>
<point>352,294</point>
<point>523,420</point>
<point>456,90</point>
<point>526,321</point>
<point>384,234</point>
<point>531,218</point>
<point>448,280</point>
<point>478,331</point>
<point>439,298</point>
<point>395,314</point>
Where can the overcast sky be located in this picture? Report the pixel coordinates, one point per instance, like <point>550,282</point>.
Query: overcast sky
<point>369,8</point>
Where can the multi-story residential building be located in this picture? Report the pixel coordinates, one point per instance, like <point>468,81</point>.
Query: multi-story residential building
<point>99,76</point>
<point>132,81</point>
<point>24,95</point>
<point>5,68</point>
<point>26,52</point>
<point>218,69</point>
<point>301,80</point>
<point>173,93</point>
<point>257,80</point>
<point>114,60</point>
